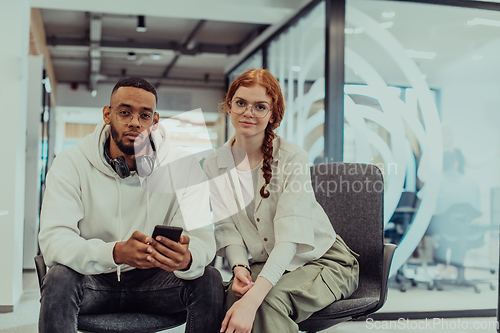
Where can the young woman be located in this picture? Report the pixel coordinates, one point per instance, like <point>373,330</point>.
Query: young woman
<point>264,207</point>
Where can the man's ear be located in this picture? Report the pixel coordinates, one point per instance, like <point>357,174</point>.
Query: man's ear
<point>156,120</point>
<point>106,114</point>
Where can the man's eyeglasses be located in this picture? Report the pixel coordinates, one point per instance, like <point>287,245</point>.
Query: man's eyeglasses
<point>259,110</point>
<point>125,117</point>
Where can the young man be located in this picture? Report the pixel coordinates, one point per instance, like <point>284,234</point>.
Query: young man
<point>102,201</point>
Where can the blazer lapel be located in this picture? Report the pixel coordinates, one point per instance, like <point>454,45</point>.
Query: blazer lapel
<point>225,164</point>
<point>258,197</point>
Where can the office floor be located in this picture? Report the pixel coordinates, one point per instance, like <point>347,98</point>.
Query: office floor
<point>25,318</point>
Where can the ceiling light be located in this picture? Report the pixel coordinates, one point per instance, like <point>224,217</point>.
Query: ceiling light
<point>48,86</point>
<point>482,21</point>
<point>191,45</point>
<point>421,54</point>
<point>423,76</point>
<point>141,24</point>
<point>95,32</point>
<point>349,31</point>
<point>359,30</point>
<point>388,14</point>
<point>155,56</point>
<point>477,57</point>
<point>94,93</point>
<point>296,68</point>
<point>386,25</point>
<point>139,61</point>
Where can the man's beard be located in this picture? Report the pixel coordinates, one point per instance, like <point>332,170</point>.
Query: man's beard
<point>129,149</point>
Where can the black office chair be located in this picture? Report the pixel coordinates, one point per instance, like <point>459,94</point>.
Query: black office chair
<point>119,322</point>
<point>355,209</point>
<point>356,214</point>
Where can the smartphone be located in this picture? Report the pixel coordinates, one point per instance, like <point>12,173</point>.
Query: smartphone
<point>173,233</point>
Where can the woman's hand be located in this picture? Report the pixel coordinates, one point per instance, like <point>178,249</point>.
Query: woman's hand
<point>239,318</point>
<point>242,281</point>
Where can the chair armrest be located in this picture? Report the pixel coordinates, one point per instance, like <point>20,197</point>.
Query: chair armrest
<point>386,266</point>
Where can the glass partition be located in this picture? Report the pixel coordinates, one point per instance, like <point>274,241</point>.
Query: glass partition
<point>254,61</point>
<point>420,102</point>
<point>297,59</point>
<point>421,99</point>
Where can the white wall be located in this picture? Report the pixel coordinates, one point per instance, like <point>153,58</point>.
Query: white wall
<point>175,99</point>
<point>78,106</point>
<point>14,34</point>
<point>33,138</point>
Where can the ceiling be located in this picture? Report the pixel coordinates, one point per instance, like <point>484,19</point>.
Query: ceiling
<point>185,44</point>
<point>191,43</point>
<point>91,47</point>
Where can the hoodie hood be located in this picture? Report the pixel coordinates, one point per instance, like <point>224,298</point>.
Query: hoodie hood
<point>92,147</point>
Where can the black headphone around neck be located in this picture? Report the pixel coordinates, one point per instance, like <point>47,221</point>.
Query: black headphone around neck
<point>144,164</point>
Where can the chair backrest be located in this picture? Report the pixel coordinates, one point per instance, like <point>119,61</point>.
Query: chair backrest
<point>408,199</point>
<point>352,196</point>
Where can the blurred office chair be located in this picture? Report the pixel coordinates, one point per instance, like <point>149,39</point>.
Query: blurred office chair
<point>119,322</point>
<point>396,229</point>
<point>356,214</point>
<point>404,212</point>
<point>455,232</point>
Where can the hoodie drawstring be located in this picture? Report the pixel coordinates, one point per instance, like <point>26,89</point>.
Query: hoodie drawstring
<point>147,224</point>
<point>119,268</point>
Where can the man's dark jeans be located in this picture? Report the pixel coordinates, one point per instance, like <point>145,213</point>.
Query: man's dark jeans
<point>66,293</point>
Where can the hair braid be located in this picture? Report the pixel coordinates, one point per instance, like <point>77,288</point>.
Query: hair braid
<point>267,150</point>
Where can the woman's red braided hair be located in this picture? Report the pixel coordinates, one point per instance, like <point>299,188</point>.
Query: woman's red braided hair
<point>265,79</point>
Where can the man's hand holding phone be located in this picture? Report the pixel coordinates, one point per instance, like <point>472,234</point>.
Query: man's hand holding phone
<point>134,251</point>
<point>143,251</point>
<point>166,252</point>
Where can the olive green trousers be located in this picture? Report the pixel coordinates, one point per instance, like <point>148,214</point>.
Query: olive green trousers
<point>300,293</point>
